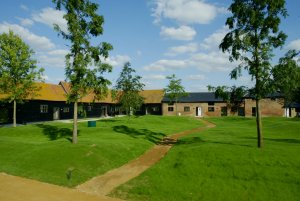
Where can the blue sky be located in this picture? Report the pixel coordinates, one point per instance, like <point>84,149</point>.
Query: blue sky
<point>158,37</point>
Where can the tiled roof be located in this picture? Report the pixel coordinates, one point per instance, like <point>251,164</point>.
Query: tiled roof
<point>196,98</point>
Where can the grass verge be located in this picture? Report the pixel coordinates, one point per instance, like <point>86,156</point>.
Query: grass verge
<point>223,163</point>
<point>44,151</point>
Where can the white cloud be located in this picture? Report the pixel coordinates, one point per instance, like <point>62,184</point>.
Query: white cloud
<point>213,41</point>
<point>23,7</point>
<point>212,61</point>
<point>48,60</point>
<point>54,58</point>
<point>117,61</point>
<point>45,77</point>
<point>185,11</point>
<point>196,77</point>
<point>295,44</point>
<point>58,52</point>
<point>185,33</point>
<point>26,22</point>
<point>36,42</point>
<point>205,62</point>
<point>154,77</point>
<point>164,65</point>
<point>188,48</point>
<point>50,16</point>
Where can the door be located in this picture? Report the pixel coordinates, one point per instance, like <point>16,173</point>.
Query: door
<point>198,112</point>
<point>55,113</point>
<point>104,111</point>
<point>223,111</point>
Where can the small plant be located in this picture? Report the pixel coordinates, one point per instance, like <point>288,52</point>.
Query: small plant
<point>69,173</point>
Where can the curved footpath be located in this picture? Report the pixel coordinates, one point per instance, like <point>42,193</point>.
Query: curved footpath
<point>14,188</point>
<point>104,184</point>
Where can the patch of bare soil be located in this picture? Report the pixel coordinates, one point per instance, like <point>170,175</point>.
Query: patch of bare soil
<point>14,188</point>
<point>104,184</point>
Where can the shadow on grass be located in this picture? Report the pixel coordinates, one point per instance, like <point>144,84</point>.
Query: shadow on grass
<point>151,136</point>
<point>109,120</point>
<point>55,133</point>
<point>195,140</point>
<point>293,141</point>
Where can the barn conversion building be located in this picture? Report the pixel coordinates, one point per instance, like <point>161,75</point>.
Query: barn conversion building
<point>50,103</point>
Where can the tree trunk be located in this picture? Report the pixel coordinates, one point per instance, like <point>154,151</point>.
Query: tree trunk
<point>259,125</point>
<point>15,114</point>
<point>74,138</point>
<point>176,108</point>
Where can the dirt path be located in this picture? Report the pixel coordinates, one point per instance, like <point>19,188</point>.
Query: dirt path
<point>104,184</point>
<point>13,188</point>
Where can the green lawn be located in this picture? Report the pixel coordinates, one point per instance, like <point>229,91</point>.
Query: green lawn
<point>223,163</point>
<point>44,151</point>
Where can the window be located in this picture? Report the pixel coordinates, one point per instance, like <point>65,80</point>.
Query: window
<point>170,109</point>
<point>187,108</point>
<point>211,109</point>
<point>89,108</point>
<point>44,108</point>
<point>254,111</point>
<point>66,110</point>
<point>241,111</point>
<point>155,109</point>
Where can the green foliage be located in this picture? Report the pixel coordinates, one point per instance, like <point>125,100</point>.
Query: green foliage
<point>127,90</point>
<point>44,152</point>
<point>84,68</point>
<point>174,90</point>
<point>286,77</point>
<point>18,71</point>
<point>254,34</point>
<point>223,163</point>
<point>232,95</point>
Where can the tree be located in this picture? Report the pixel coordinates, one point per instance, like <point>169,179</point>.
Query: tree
<point>127,90</point>
<point>174,90</point>
<point>286,76</point>
<point>254,33</point>
<point>18,71</point>
<point>232,95</point>
<point>84,68</point>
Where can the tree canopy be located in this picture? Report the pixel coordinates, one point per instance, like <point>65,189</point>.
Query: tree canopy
<point>127,90</point>
<point>84,65</point>
<point>18,70</point>
<point>254,33</point>
<point>232,95</point>
<point>174,90</point>
<point>286,77</point>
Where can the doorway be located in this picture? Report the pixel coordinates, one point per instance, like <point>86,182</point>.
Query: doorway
<point>56,113</point>
<point>198,112</point>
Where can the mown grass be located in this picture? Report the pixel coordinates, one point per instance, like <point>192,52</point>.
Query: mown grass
<point>44,151</point>
<point>224,163</point>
